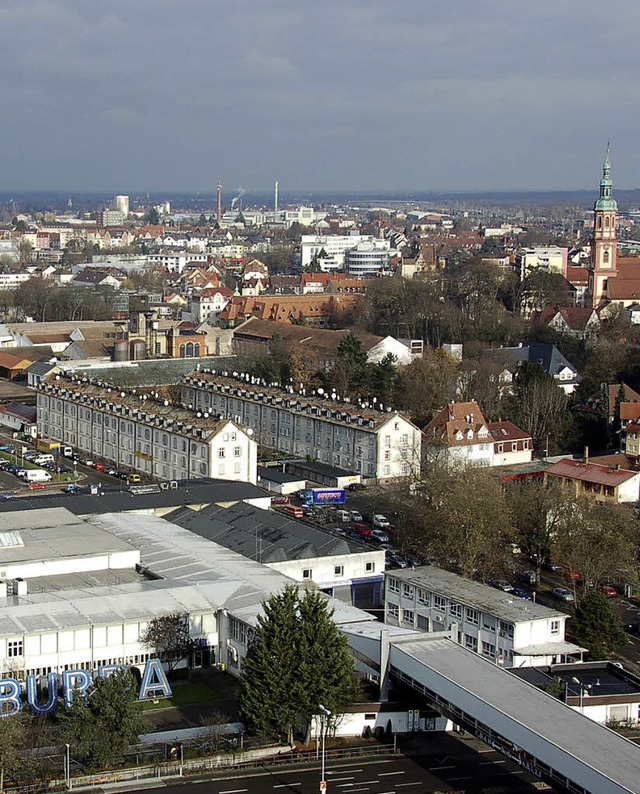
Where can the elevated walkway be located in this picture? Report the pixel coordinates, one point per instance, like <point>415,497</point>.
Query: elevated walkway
<point>545,736</point>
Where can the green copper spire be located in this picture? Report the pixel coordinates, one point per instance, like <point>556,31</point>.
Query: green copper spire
<point>606,200</point>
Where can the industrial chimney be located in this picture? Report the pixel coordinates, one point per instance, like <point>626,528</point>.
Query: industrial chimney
<point>275,202</point>
<point>219,202</point>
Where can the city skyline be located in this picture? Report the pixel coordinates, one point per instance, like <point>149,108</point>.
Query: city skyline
<point>365,97</point>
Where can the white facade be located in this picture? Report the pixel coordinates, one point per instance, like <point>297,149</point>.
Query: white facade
<point>506,629</point>
<point>159,440</point>
<point>206,308</point>
<point>122,205</point>
<point>176,262</point>
<point>13,280</point>
<point>363,440</point>
<point>337,573</point>
<point>334,245</point>
<point>551,259</point>
<point>369,258</point>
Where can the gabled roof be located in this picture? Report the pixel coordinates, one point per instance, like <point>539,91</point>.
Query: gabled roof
<point>575,317</point>
<point>506,431</point>
<point>551,359</point>
<point>458,424</point>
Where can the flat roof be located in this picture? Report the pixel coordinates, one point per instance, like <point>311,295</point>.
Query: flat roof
<point>513,700</point>
<point>274,474</point>
<point>474,594</point>
<point>113,499</point>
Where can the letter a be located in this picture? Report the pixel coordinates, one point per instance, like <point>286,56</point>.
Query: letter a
<point>154,681</point>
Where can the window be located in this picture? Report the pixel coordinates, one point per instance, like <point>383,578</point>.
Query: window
<point>423,597</point>
<point>489,650</point>
<point>393,585</point>
<point>221,452</point>
<point>472,616</point>
<point>393,610</point>
<point>455,610</point>
<point>554,627</point>
<point>306,573</point>
<point>14,648</point>
<point>488,623</point>
<point>407,591</point>
<point>338,570</point>
<point>506,629</point>
<point>237,452</point>
<point>370,567</point>
<point>440,602</point>
<point>407,616</point>
<point>471,643</point>
<point>387,441</point>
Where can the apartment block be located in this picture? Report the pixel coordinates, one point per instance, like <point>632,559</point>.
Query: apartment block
<point>376,443</point>
<point>506,629</point>
<point>139,432</point>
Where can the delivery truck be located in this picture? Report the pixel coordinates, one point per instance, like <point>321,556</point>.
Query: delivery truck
<point>36,475</point>
<point>325,496</point>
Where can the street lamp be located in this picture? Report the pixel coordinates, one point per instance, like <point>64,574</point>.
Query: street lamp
<point>67,766</point>
<point>583,688</point>
<point>323,727</point>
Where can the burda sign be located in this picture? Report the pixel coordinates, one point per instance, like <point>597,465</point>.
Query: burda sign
<point>74,683</point>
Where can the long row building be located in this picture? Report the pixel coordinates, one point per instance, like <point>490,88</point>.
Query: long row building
<point>373,442</point>
<point>140,432</point>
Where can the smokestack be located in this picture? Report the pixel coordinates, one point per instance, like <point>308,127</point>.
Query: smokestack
<point>275,202</point>
<point>586,454</point>
<point>219,202</point>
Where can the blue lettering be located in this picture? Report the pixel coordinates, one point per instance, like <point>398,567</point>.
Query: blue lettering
<point>154,681</point>
<point>52,691</point>
<point>10,696</point>
<point>74,682</point>
<point>106,669</point>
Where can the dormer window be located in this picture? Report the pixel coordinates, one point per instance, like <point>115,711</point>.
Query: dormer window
<point>459,435</point>
<point>469,434</point>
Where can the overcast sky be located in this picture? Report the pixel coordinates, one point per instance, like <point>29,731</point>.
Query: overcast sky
<point>334,95</point>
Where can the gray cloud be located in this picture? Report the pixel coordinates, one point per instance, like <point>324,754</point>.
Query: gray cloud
<point>344,94</point>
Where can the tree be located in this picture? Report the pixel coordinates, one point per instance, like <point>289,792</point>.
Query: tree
<point>599,541</point>
<point>423,385</point>
<point>538,405</point>
<point>168,636</point>
<point>152,217</point>
<point>597,627</point>
<point>468,518</point>
<point>100,727</point>
<point>12,738</point>
<point>297,660</point>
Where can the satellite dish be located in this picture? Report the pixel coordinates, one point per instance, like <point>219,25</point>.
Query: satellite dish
<point>249,431</point>
<point>321,391</point>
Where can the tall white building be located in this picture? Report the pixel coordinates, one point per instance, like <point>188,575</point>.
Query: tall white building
<point>369,258</point>
<point>122,205</point>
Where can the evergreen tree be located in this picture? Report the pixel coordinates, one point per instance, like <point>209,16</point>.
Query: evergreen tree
<point>101,727</point>
<point>597,627</point>
<point>297,660</point>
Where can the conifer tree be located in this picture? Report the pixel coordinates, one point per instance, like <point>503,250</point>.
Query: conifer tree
<point>597,627</point>
<point>297,661</point>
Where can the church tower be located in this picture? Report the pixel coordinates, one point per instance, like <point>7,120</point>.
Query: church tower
<point>604,246</point>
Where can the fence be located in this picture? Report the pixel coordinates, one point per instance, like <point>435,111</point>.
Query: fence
<point>222,764</point>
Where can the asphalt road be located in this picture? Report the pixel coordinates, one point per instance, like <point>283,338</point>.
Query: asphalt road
<point>461,769</point>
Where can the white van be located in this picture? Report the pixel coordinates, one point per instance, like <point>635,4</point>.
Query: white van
<point>44,459</point>
<point>37,475</point>
<point>343,516</point>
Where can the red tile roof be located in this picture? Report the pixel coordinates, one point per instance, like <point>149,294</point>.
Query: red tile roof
<point>506,431</point>
<point>590,472</point>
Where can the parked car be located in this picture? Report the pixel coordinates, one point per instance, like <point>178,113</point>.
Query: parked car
<point>550,565</point>
<point>98,466</point>
<point>36,486</point>
<point>502,584</point>
<point>562,594</point>
<point>569,573</point>
<point>608,590</point>
<point>71,488</point>
<point>356,515</point>
<point>357,486</point>
<point>528,577</point>
<point>280,500</point>
<point>379,521</point>
<point>520,592</point>
<point>379,535</point>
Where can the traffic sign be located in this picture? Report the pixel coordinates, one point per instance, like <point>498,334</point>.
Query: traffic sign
<point>323,787</point>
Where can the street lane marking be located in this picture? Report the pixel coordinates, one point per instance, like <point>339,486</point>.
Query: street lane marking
<point>451,779</point>
<point>438,768</point>
<point>486,763</point>
<point>383,774</point>
<point>415,783</point>
<point>354,790</point>
<point>234,791</point>
<point>283,785</point>
<point>337,779</point>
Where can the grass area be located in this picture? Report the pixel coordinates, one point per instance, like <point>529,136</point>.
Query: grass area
<point>26,464</point>
<point>185,694</point>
